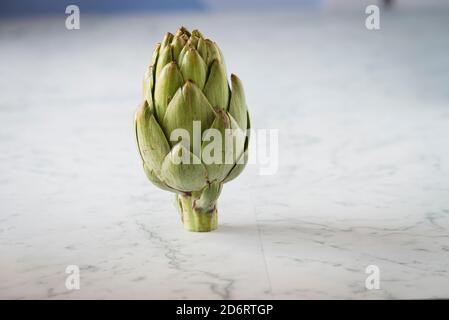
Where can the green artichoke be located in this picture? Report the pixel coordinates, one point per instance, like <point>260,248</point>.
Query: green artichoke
<point>187,84</point>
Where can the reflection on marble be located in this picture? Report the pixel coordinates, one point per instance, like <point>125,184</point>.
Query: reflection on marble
<point>363,176</point>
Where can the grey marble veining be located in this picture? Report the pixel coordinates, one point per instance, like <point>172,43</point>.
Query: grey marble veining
<point>363,177</point>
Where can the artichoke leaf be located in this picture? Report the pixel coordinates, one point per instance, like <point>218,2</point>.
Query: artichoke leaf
<point>147,85</point>
<point>181,55</point>
<point>193,68</point>
<point>193,41</point>
<point>183,175</point>
<point>202,49</point>
<point>243,159</point>
<point>155,56</point>
<point>197,33</point>
<point>165,56</point>
<point>238,168</point>
<point>183,30</point>
<point>216,88</point>
<point>178,43</point>
<point>216,150</point>
<point>237,104</point>
<point>153,145</point>
<point>156,180</point>
<point>213,52</point>
<point>169,81</point>
<point>167,40</point>
<point>188,105</point>
<point>239,138</point>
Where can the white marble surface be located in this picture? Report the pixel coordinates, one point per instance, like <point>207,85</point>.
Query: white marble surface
<point>363,176</point>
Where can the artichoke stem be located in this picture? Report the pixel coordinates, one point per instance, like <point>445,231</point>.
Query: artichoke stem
<point>195,220</point>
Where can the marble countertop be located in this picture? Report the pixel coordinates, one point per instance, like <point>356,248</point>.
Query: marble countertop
<point>363,177</point>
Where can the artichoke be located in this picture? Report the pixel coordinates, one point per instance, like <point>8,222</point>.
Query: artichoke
<point>186,85</point>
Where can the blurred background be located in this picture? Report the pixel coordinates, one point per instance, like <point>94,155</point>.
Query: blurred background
<point>42,7</point>
<point>363,120</point>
